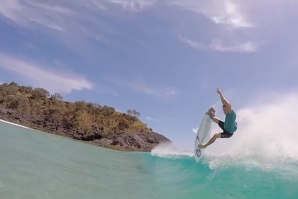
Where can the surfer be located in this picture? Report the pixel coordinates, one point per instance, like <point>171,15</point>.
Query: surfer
<point>230,124</point>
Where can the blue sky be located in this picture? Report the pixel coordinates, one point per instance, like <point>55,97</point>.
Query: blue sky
<point>163,58</point>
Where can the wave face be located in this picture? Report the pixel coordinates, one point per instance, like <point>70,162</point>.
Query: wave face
<point>231,174</point>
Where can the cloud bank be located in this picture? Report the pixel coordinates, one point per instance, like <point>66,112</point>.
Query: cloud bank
<point>139,85</point>
<point>39,76</point>
<point>235,26</point>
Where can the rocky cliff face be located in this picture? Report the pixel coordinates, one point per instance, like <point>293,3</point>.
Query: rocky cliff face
<point>128,141</point>
<point>138,141</point>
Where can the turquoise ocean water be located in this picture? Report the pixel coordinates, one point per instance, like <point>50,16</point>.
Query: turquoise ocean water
<point>35,165</point>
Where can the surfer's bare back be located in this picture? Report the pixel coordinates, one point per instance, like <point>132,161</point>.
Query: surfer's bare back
<point>229,126</point>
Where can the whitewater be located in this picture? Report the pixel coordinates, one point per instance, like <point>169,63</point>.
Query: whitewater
<point>260,161</point>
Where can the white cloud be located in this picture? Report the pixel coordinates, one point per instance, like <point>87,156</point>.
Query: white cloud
<point>216,45</point>
<point>232,16</point>
<point>63,21</point>
<point>220,12</point>
<point>140,86</point>
<point>133,5</point>
<point>47,24</point>
<point>242,25</point>
<point>27,11</point>
<point>69,18</point>
<point>171,92</point>
<point>246,47</point>
<point>194,44</point>
<point>75,22</point>
<point>53,81</point>
<point>153,119</point>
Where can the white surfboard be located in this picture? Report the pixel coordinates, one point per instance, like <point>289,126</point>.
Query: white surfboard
<point>202,136</point>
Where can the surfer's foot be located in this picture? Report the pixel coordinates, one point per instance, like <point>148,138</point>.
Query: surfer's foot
<point>210,112</point>
<point>201,146</point>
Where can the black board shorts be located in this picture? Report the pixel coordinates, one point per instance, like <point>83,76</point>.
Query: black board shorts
<point>224,134</point>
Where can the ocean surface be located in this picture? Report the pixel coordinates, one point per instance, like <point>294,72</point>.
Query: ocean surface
<point>36,165</point>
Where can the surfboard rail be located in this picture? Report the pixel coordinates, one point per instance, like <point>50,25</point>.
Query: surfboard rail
<point>203,134</point>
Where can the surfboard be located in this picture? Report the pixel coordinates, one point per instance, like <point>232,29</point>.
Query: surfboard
<point>203,134</point>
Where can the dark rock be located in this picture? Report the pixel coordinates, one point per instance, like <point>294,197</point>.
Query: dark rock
<point>92,136</point>
<point>142,141</point>
<point>104,141</point>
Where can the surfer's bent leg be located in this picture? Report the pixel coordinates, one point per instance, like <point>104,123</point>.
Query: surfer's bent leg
<point>224,134</point>
<point>215,136</point>
<point>221,124</point>
<point>214,118</point>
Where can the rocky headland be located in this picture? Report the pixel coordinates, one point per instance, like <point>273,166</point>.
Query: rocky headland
<point>88,122</point>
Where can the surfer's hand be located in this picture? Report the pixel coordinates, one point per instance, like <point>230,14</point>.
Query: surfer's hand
<point>212,114</point>
<point>219,91</point>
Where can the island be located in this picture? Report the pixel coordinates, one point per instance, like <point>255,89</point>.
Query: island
<point>88,122</point>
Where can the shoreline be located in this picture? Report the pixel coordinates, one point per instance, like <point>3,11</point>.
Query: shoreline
<point>15,124</point>
<point>102,146</point>
<point>85,142</point>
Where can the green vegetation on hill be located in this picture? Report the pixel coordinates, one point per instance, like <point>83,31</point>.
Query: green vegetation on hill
<point>83,117</point>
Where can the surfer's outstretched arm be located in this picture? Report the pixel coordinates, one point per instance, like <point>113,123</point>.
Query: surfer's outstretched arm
<point>224,100</point>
